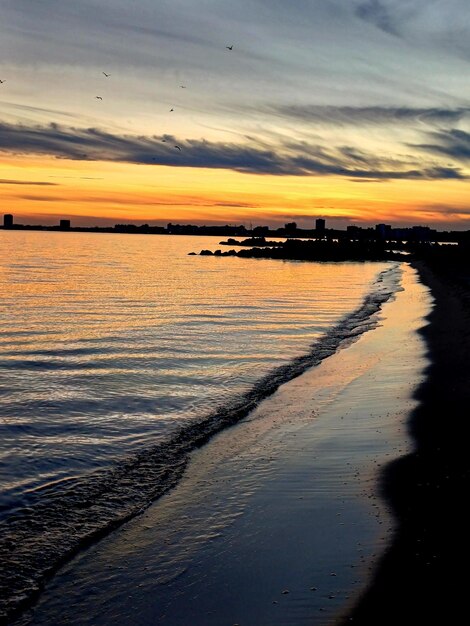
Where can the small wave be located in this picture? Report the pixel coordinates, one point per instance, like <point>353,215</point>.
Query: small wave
<point>37,540</point>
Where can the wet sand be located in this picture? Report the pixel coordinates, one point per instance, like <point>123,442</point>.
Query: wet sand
<point>279,519</point>
<point>423,577</point>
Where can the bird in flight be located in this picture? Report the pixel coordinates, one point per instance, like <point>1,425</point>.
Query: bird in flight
<point>1,82</point>
<point>183,86</point>
<point>178,148</point>
<point>98,97</point>
<point>107,75</point>
<point>229,47</point>
<point>171,110</point>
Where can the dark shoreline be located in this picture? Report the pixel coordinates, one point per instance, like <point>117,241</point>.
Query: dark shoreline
<point>422,577</point>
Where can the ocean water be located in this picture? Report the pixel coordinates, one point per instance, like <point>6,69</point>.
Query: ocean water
<point>120,353</point>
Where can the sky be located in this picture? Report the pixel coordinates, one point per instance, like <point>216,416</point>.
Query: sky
<point>357,111</point>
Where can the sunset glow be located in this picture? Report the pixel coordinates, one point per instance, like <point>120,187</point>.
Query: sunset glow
<point>354,111</point>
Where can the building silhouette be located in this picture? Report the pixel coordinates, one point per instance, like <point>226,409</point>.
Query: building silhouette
<point>8,220</point>
<point>320,225</point>
<point>383,231</point>
<point>290,228</point>
<point>64,224</point>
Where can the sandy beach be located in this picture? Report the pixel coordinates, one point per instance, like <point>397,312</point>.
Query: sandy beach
<point>422,577</point>
<point>279,519</point>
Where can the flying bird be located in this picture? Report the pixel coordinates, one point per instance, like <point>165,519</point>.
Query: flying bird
<point>229,47</point>
<point>178,148</point>
<point>98,97</point>
<point>183,86</point>
<point>1,82</point>
<point>107,75</point>
<point>171,110</point>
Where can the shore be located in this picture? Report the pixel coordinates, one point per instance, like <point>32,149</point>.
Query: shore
<point>278,519</point>
<point>423,576</point>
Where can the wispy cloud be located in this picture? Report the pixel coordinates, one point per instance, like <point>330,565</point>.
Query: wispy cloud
<point>29,108</point>
<point>8,181</point>
<point>421,22</point>
<point>115,200</point>
<point>36,198</point>
<point>370,115</point>
<point>283,159</point>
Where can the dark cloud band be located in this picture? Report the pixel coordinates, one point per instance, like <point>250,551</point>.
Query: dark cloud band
<point>452,143</point>
<point>289,159</point>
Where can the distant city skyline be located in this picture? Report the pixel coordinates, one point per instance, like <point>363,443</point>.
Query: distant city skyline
<point>303,223</point>
<point>264,112</point>
<point>319,230</point>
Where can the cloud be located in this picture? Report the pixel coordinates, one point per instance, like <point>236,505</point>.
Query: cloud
<point>158,35</point>
<point>377,13</point>
<point>370,115</point>
<point>35,198</point>
<point>28,108</point>
<point>120,199</point>
<point>8,181</point>
<point>284,159</point>
<point>452,143</point>
<point>436,24</point>
<point>366,180</point>
<point>77,177</point>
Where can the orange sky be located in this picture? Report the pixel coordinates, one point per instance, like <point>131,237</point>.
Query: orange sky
<point>100,192</point>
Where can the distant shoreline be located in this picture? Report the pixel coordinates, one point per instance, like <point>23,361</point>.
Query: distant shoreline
<point>416,234</point>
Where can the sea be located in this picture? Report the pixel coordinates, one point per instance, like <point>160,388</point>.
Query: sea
<point>120,354</point>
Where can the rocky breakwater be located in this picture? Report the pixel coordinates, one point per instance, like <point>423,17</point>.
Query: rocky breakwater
<point>316,250</point>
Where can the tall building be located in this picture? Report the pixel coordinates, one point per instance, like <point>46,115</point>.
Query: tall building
<point>8,220</point>
<point>64,224</point>
<point>382,231</point>
<point>320,225</point>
